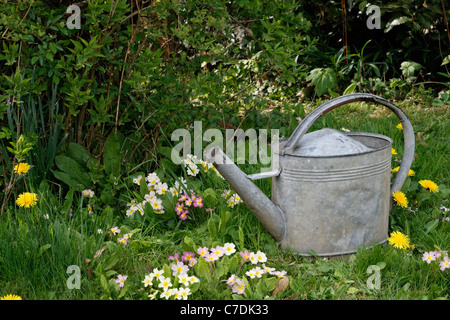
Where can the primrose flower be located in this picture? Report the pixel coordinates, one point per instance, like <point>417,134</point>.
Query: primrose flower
<point>203,251</point>
<point>253,258</point>
<point>187,255</point>
<point>164,283</point>
<point>258,272</point>
<point>211,257</point>
<point>150,197</point>
<point>156,204</point>
<point>173,191</point>
<point>184,279</point>
<point>198,202</point>
<point>115,230</point>
<point>152,179</point>
<point>219,251</point>
<point>27,199</point>
<point>251,273</point>
<point>121,280</point>
<point>175,293</point>
<point>268,269</point>
<point>175,257</point>
<point>445,264</point>
<point>429,185</point>
<point>229,248</point>
<point>230,280</point>
<point>245,255</point>
<point>166,294</point>
<point>261,256</point>
<point>184,293</point>
<point>161,188</point>
<point>183,215</point>
<point>123,241</point>
<point>179,268</point>
<point>193,279</point>
<point>137,180</point>
<point>179,208</point>
<point>157,273</point>
<point>148,280</point>
<point>192,170</point>
<point>192,262</point>
<point>239,286</point>
<point>399,126</point>
<point>428,257</point>
<point>88,193</point>
<point>279,274</point>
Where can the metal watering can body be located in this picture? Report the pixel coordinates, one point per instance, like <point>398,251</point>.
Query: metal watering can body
<point>330,201</point>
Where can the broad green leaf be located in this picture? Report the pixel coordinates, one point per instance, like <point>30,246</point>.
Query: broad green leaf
<point>112,158</point>
<point>323,79</point>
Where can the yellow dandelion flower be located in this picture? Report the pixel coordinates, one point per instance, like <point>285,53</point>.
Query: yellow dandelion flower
<point>27,199</point>
<point>410,172</point>
<point>394,152</point>
<point>11,297</point>
<point>399,240</point>
<point>399,126</point>
<point>21,168</point>
<point>400,198</point>
<point>429,185</point>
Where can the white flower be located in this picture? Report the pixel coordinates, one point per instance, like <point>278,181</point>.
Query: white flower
<point>164,283</point>
<point>193,279</point>
<point>156,204</point>
<point>184,279</point>
<point>157,273</point>
<point>251,273</point>
<point>166,294</point>
<point>176,293</point>
<point>229,248</point>
<point>258,272</point>
<point>184,292</point>
<point>192,170</point>
<point>152,179</point>
<point>253,258</point>
<point>261,256</point>
<point>148,280</point>
<point>173,191</point>
<point>150,196</point>
<point>137,180</point>
<point>161,188</point>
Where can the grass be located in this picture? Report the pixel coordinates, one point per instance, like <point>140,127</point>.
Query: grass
<point>34,257</point>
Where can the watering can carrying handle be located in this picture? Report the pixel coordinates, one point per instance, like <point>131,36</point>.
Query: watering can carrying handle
<point>408,132</point>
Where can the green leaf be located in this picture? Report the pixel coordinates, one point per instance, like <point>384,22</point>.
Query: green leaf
<point>188,244</point>
<point>446,60</point>
<point>112,158</point>
<point>202,269</point>
<point>350,89</point>
<point>44,248</point>
<point>323,79</point>
<point>73,169</point>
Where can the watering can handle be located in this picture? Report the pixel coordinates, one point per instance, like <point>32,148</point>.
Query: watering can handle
<point>408,132</point>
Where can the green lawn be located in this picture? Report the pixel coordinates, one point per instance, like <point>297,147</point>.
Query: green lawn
<point>38,244</point>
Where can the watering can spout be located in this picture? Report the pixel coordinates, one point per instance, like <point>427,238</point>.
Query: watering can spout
<point>270,215</point>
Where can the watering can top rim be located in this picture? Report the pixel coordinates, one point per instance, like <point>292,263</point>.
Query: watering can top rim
<point>281,145</point>
<point>408,132</point>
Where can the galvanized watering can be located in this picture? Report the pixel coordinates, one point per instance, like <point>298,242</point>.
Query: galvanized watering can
<point>331,191</point>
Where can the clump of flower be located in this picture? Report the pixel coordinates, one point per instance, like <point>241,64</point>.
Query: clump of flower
<point>186,201</point>
<point>193,164</point>
<point>232,199</point>
<point>439,257</point>
<point>88,193</point>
